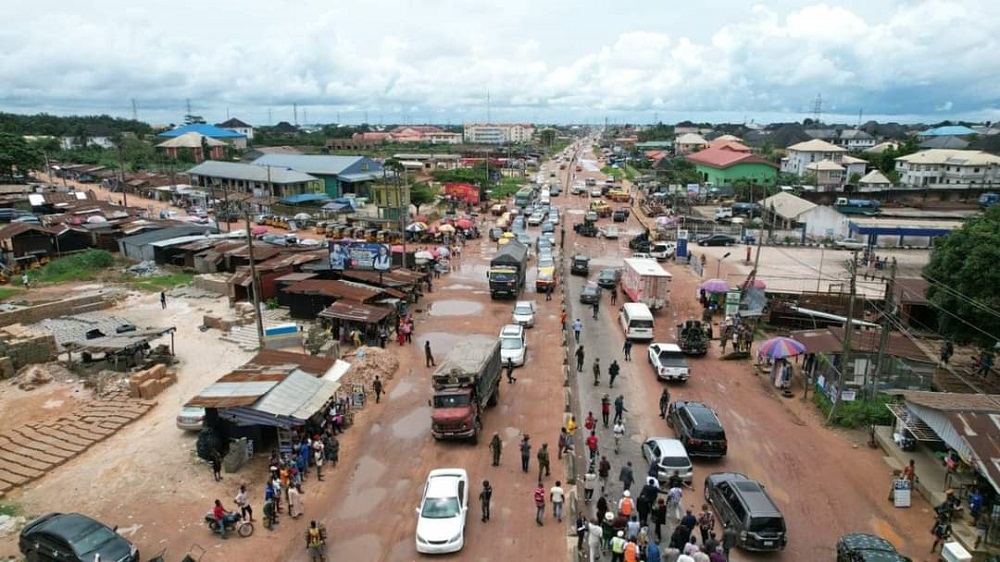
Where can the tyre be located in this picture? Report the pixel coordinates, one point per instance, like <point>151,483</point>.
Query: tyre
<point>210,442</point>
<point>495,399</point>
<point>475,433</point>
<point>244,529</point>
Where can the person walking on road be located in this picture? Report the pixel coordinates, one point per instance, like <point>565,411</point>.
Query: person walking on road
<point>579,358</point>
<point>577,328</point>
<point>243,502</point>
<point>377,388</point>
<point>659,516</point>
<point>619,408</point>
<point>605,410</point>
<point>627,350</point>
<point>597,308</point>
<point>589,483</point>
<point>510,371</point>
<point>539,504</point>
<point>613,371</point>
<point>557,496</point>
<point>594,538</point>
<point>614,297</point>
<point>619,432</point>
<point>565,443</point>
<point>603,472</point>
<point>706,523</point>
<point>525,452</point>
<point>664,403</point>
<point>597,371</point>
<point>626,477</point>
<point>543,461</point>
<point>592,445</point>
<point>428,356</point>
<point>618,543</point>
<point>548,291</point>
<point>316,542</point>
<point>496,446</point>
<point>484,500</point>
<point>730,536</point>
<point>163,298</point>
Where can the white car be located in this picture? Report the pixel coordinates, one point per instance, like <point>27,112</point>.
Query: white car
<point>611,232</point>
<point>442,512</point>
<point>536,219</point>
<point>513,346</point>
<point>524,313</point>
<point>849,244</point>
<point>595,191</point>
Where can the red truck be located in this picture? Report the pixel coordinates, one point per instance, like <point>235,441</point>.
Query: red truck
<point>465,384</point>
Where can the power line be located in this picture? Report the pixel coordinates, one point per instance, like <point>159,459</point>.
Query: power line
<point>963,297</point>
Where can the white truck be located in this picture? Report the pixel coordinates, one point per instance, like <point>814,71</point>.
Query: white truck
<point>645,281</point>
<point>668,362</point>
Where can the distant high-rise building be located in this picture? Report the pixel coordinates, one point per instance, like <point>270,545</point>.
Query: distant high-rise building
<point>498,133</point>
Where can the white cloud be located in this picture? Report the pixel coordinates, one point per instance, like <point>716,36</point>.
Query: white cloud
<point>560,60</point>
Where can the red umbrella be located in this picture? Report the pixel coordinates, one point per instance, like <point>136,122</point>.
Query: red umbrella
<point>258,231</point>
<point>758,284</point>
<point>397,249</point>
<point>419,218</point>
<point>463,223</point>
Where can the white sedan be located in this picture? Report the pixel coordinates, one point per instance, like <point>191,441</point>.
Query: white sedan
<point>849,244</point>
<point>610,232</point>
<point>442,511</point>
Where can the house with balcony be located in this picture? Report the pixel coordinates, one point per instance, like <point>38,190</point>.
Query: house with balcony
<point>688,143</point>
<point>828,175</point>
<point>855,140</point>
<point>498,133</point>
<point>723,166</point>
<point>800,155</point>
<point>949,169</point>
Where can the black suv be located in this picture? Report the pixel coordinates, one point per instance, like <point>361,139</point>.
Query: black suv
<point>743,504</point>
<point>581,265</point>
<point>698,428</point>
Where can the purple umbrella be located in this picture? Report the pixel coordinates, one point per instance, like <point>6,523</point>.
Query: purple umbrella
<point>714,286</point>
<point>777,348</point>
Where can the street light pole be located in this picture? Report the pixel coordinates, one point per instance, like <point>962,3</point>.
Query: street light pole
<point>718,268</point>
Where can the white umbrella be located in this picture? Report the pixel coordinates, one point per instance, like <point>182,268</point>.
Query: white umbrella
<point>423,255</point>
<point>302,217</point>
<point>443,252</point>
<point>416,227</point>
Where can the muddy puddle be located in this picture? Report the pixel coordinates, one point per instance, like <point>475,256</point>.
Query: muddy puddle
<point>455,308</point>
<point>412,425</point>
<point>441,343</point>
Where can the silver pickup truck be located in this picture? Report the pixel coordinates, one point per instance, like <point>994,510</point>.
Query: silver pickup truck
<point>668,362</point>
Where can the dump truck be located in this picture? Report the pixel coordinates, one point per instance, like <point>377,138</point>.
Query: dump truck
<point>693,337</point>
<point>647,282</point>
<point>507,273</point>
<point>465,384</point>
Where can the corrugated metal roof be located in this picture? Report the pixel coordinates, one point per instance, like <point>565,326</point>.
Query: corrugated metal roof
<point>295,277</point>
<point>312,364</point>
<point>982,432</point>
<point>323,164</point>
<point>335,289</point>
<point>241,387</point>
<point>831,340</point>
<point>389,278</point>
<point>250,172</point>
<point>952,401</point>
<point>786,205</point>
<point>17,228</point>
<point>202,129</point>
<point>165,234</point>
<point>291,258</point>
<point>299,395</point>
<point>356,312</point>
<point>261,252</point>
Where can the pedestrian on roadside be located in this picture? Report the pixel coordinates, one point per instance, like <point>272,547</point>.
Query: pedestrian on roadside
<point>605,410</point>
<point>614,297</point>
<point>664,403</point>
<point>377,388</point>
<point>581,531</point>
<point>626,477</point>
<point>562,320</point>
<point>496,446</point>
<point>603,473</point>
<point>706,523</point>
<point>316,542</point>
<point>613,371</point>
<point>730,536</point>
<point>163,297</point>
<point>659,516</point>
<point>319,456</point>
<point>590,423</point>
<point>428,356</point>
<point>295,502</point>
<point>594,539</point>
<point>579,358</point>
<point>565,442</point>
<point>557,496</point>
<point>717,555</point>
<point>269,514</point>
<point>620,408</point>
<point>484,500</point>
<point>627,350</point>
<point>543,461</point>
<point>618,543</point>
<point>510,371</point>
<point>243,501</point>
<point>571,426</point>
<point>597,371</point>
<point>653,552</point>
<point>539,504</point>
<point>592,445</point>
<point>589,483</point>
<point>26,281</point>
<point>941,531</point>
<point>525,452</point>
<point>217,466</point>
<point>577,328</point>
<point>548,291</point>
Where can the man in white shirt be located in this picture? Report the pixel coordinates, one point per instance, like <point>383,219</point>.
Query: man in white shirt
<point>557,495</point>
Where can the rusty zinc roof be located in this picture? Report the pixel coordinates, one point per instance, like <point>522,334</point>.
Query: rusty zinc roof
<point>290,259</point>
<point>335,289</point>
<point>295,277</point>
<point>356,312</point>
<point>982,432</point>
<point>312,364</point>
<point>831,340</point>
<point>952,401</point>
<point>242,387</point>
<point>13,229</point>
<point>260,252</point>
<point>389,278</point>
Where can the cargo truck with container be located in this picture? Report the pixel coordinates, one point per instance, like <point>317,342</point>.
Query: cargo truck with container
<point>465,384</point>
<point>645,281</point>
<point>507,273</point>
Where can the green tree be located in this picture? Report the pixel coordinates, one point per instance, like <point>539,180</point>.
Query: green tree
<point>422,193</point>
<point>963,277</point>
<point>17,157</point>
<point>547,137</point>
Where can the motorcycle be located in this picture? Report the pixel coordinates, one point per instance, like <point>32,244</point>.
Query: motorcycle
<point>233,521</point>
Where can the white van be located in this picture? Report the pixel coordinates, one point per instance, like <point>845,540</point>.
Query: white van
<point>636,321</point>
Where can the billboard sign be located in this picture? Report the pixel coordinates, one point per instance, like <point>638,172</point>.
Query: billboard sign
<point>347,254</point>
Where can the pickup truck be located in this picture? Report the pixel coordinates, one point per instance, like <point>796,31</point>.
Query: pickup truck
<point>668,362</point>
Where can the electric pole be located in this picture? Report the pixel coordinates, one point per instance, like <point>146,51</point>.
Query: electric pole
<point>887,311</point>
<point>254,284</point>
<point>845,356</point>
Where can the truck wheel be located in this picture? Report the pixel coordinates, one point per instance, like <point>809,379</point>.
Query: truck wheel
<point>475,433</point>
<point>495,399</point>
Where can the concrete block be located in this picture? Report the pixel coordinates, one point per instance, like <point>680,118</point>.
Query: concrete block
<point>57,445</point>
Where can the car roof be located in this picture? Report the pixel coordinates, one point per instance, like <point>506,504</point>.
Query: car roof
<point>699,411</point>
<point>511,330</point>
<point>443,482</point>
<point>669,446</point>
<point>67,525</point>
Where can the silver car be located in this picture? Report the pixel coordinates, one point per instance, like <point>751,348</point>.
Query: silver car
<point>524,314</point>
<point>670,457</point>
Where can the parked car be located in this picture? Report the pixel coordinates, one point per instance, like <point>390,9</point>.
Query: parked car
<point>595,191</point>
<point>862,547</point>
<point>743,504</point>
<point>495,234</point>
<point>620,215</point>
<point>590,294</point>
<point>580,265</point>
<point>608,278</point>
<point>717,240</point>
<point>548,226</point>
<point>698,428</point>
<point>670,457</point>
<point>74,537</point>
<point>849,244</point>
<point>191,418</point>
<point>513,345</point>
<point>442,511</point>
<point>524,313</point>
<point>535,219</point>
<point>611,232</point>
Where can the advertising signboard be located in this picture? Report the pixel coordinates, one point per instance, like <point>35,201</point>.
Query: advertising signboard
<point>347,254</point>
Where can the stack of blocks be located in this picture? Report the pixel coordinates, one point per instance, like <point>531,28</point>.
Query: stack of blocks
<point>151,382</point>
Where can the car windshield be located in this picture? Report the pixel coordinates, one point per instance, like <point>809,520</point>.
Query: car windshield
<point>767,525</point>
<point>546,262</point>
<point>642,324</point>
<point>92,539</point>
<point>522,310</point>
<point>674,462</point>
<point>451,400</point>
<point>501,276</point>
<point>440,508</point>
<point>510,343</point>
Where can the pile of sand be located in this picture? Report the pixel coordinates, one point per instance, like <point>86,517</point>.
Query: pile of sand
<point>31,377</point>
<point>369,362</point>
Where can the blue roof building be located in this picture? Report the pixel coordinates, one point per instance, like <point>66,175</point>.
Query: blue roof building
<point>238,140</point>
<point>339,174</point>
<point>948,131</point>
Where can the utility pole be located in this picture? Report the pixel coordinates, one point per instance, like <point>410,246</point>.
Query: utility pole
<point>887,311</point>
<point>845,361</point>
<point>254,283</point>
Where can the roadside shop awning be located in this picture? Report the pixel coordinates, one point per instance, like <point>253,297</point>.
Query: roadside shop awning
<point>920,430</point>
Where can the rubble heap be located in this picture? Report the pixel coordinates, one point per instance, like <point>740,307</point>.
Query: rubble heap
<point>368,362</point>
<point>34,376</point>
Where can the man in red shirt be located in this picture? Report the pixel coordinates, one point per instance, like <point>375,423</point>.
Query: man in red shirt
<point>220,517</point>
<point>539,503</point>
<point>592,446</point>
<point>605,410</point>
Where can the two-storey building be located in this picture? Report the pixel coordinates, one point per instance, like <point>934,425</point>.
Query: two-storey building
<point>949,169</point>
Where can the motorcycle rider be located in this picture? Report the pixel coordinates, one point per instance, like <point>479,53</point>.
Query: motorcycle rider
<point>222,518</point>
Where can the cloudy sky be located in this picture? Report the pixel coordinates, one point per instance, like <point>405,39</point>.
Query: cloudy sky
<point>435,61</point>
